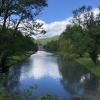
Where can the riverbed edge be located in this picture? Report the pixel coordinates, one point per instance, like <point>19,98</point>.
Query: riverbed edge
<point>89,65</point>
<point>15,59</point>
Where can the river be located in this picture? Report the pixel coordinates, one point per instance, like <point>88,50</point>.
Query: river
<point>54,75</point>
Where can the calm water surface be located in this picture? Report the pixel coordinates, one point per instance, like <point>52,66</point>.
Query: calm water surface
<point>53,75</point>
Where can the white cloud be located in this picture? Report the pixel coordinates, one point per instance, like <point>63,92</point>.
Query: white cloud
<point>54,28</point>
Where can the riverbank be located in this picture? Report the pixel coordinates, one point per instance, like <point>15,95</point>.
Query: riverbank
<point>88,63</point>
<point>85,61</point>
<point>12,60</point>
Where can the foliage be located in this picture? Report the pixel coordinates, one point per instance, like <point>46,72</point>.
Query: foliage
<point>77,39</point>
<point>82,36</point>
<point>12,14</point>
<point>85,18</point>
<point>52,46</point>
<point>44,41</point>
<point>14,43</point>
<point>23,9</point>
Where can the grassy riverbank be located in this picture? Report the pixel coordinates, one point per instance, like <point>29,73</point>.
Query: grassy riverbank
<point>87,62</point>
<point>12,60</point>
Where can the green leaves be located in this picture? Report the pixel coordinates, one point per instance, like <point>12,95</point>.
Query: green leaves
<point>85,33</point>
<point>23,9</point>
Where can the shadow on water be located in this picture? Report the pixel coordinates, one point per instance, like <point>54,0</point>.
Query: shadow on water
<point>51,74</point>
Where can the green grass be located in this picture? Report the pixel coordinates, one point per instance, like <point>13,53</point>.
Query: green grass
<point>18,58</point>
<point>88,63</point>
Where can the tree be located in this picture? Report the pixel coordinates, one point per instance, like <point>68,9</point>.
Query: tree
<point>76,40</point>
<point>52,46</point>
<point>31,28</point>
<point>14,43</point>
<point>14,12</point>
<point>24,9</point>
<point>85,32</point>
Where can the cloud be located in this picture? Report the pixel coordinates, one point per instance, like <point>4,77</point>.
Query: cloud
<point>54,28</point>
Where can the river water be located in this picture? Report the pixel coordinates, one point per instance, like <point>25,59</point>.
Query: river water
<point>54,75</point>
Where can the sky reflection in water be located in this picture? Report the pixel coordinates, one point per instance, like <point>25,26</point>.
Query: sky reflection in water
<point>44,72</point>
<point>62,78</point>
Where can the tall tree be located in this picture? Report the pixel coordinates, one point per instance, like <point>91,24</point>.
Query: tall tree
<point>12,40</point>
<point>24,9</point>
<point>85,33</point>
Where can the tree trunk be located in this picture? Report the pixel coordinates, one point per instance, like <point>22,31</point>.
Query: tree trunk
<point>94,56</point>
<point>6,11</point>
<point>16,27</point>
<point>5,19</point>
<point>3,58</point>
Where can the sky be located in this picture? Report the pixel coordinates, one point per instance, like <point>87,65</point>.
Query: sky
<point>56,16</point>
<point>58,10</point>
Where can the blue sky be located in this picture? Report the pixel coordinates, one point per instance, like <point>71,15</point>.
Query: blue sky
<point>56,16</point>
<point>61,9</point>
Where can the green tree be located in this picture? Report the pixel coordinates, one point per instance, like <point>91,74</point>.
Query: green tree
<point>13,41</point>
<point>77,39</point>
<point>22,8</point>
<point>85,32</point>
<point>52,46</point>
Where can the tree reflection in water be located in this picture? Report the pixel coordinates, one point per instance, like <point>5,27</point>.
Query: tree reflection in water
<point>78,81</point>
<point>10,80</point>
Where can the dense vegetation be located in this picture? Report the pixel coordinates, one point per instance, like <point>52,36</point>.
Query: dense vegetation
<point>81,37</point>
<point>17,24</point>
<point>13,43</point>
<point>44,41</point>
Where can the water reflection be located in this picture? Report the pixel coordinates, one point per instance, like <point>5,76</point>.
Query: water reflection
<point>43,71</point>
<point>64,78</point>
<point>79,82</point>
<point>72,76</point>
<point>41,66</point>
